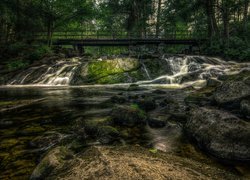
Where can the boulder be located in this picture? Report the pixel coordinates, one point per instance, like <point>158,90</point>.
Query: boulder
<point>220,133</point>
<point>156,123</point>
<point>147,104</point>
<point>129,116</point>
<point>213,82</point>
<point>52,160</point>
<point>245,107</point>
<point>231,92</point>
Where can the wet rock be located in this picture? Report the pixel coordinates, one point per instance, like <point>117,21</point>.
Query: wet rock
<point>245,107</point>
<point>133,87</point>
<point>220,133</point>
<point>128,116</point>
<point>147,104</point>
<point>54,158</point>
<point>156,123</point>
<point>118,99</point>
<point>47,140</point>
<point>231,92</point>
<point>212,82</point>
<point>158,91</point>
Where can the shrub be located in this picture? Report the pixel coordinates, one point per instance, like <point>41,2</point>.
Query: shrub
<point>39,52</point>
<point>16,64</point>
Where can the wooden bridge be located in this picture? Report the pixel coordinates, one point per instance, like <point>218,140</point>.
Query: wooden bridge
<point>95,38</point>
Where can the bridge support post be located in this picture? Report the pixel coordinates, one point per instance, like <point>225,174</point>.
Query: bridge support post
<point>190,49</point>
<point>80,49</point>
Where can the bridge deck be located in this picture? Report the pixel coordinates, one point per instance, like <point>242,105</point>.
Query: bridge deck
<point>126,42</point>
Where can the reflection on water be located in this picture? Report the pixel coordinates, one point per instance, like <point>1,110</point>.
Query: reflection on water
<point>20,128</point>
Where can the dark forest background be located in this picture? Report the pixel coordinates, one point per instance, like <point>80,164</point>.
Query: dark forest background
<point>223,23</point>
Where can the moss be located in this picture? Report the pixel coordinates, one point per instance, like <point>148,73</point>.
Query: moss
<point>108,130</point>
<point>8,143</point>
<point>31,130</point>
<point>111,71</point>
<point>153,150</point>
<point>141,113</point>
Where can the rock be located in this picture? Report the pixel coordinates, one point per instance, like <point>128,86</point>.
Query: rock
<point>245,107</point>
<point>213,82</point>
<point>155,123</point>
<point>147,104</point>
<point>47,140</point>
<point>128,116</point>
<point>54,158</point>
<point>221,134</point>
<point>158,91</point>
<point>231,92</point>
<point>118,99</point>
<point>133,87</point>
<point>134,162</point>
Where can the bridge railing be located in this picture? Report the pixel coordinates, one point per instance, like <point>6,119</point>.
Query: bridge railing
<point>111,35</point>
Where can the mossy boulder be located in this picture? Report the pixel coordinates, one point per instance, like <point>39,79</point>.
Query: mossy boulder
<point>52,160</point>
<point>128,116</point>
<point>111,71</point>
<point>102,129</point>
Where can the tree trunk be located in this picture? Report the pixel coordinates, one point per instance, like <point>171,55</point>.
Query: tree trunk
<point>157,28</point>
<point>211,20</point>
<point>49,31</point>
<point>245,15</point>
<point>225,18</point>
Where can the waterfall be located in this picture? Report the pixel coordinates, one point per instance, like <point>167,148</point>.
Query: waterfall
<point>146,70</point>
<point>194,69</point>
<point>59,73</point>
<point>174,70</point>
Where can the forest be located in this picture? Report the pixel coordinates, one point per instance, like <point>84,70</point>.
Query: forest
<point>125,89</point>
<point>223,23</point>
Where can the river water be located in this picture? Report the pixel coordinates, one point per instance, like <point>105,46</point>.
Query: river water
<point>35,118</point>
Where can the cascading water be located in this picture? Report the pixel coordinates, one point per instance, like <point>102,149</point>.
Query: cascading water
<point>175,70</point>
<point>61,73</point>
<point>186,70</point>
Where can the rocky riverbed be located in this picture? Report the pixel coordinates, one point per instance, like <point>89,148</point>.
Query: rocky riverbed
<point>199,130</point>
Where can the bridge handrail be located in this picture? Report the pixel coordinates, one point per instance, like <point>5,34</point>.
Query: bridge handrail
<point>110,35</point>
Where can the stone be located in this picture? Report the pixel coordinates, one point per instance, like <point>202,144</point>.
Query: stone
<point>147,104</point>
<point>213,82</point>
<point>118,99</point>
<point>52,160</point>
<point>129,116</point>
<point>156,123</point>
<point>135,162</point>
<point>220,133</point>
<point>245,107</point>
<point>231,92</point>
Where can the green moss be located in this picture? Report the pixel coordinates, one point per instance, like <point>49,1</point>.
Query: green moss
<point>141,113</point>
<point>32,130</point>
<point>111,71</point>
<point>8,143</point>
<point>153,150</point>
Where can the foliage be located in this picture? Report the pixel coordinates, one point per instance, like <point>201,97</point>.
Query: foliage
<point>16,64</point>
<point>39,52</point>
<point>224,23</point>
